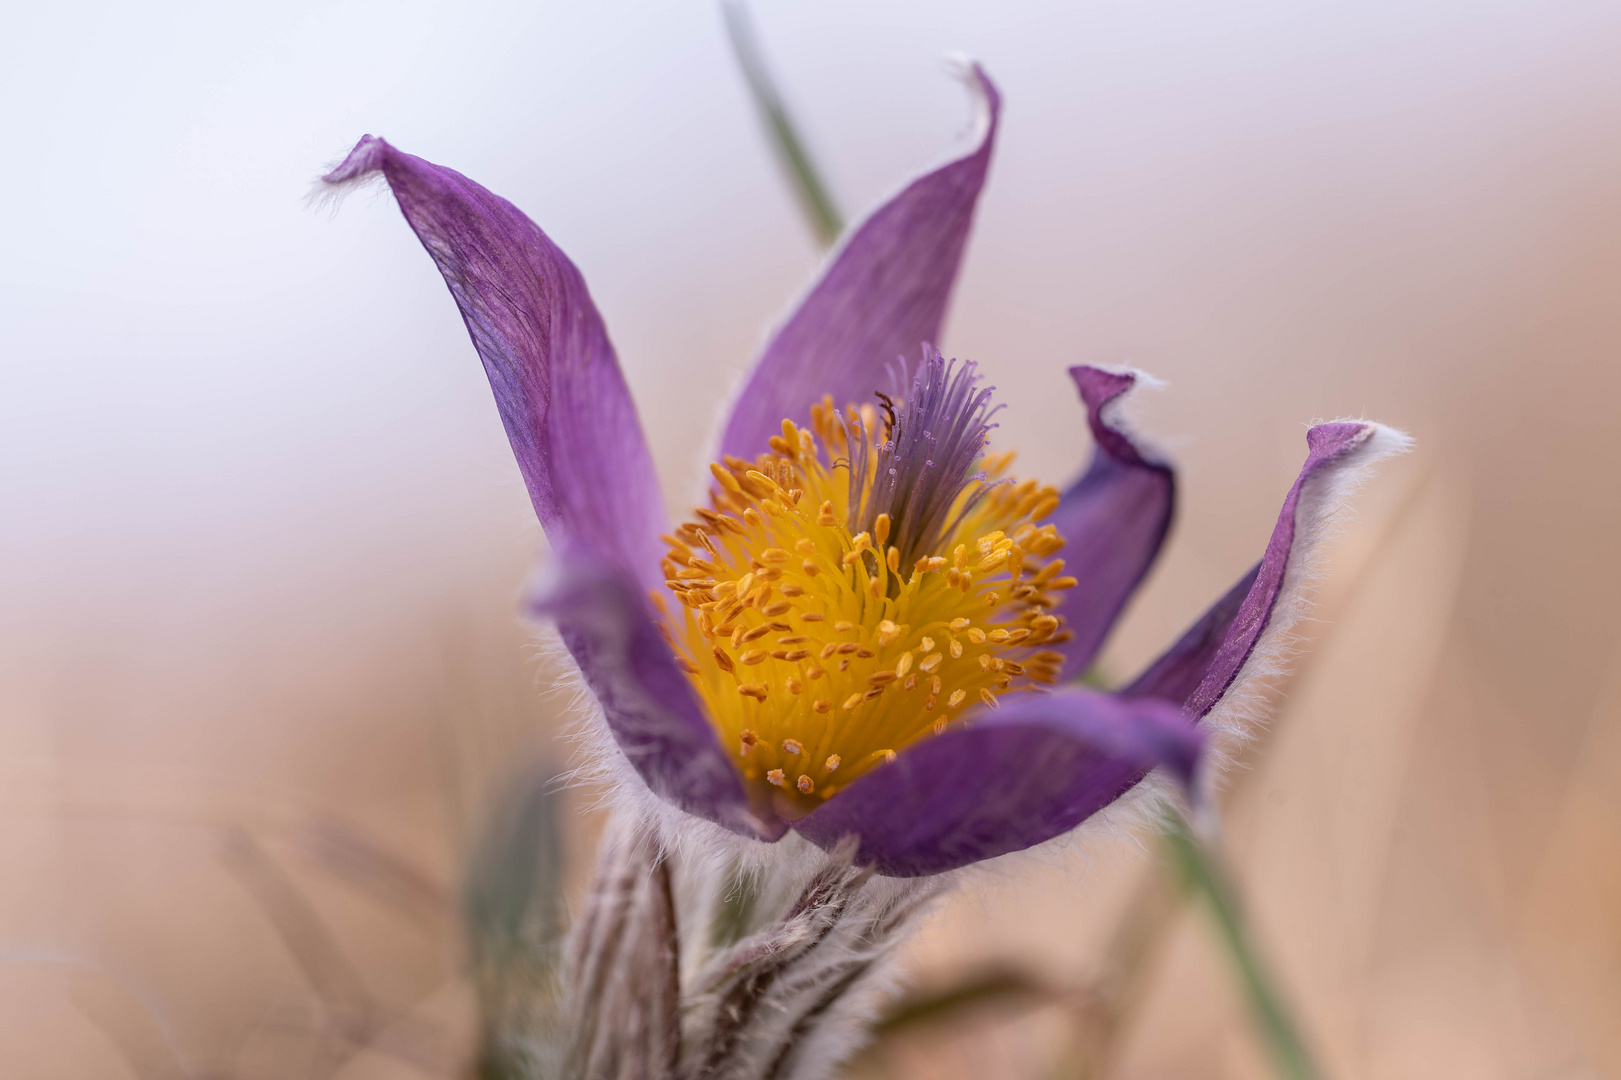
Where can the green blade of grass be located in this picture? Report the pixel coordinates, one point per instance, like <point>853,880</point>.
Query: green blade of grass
<point>1201,869</point>
<point>809,189</point>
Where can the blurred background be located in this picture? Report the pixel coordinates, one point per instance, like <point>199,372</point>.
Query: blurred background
<point>261,670</point>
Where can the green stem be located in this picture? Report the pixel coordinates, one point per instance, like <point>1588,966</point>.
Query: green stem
<point>815,201</point>
<point>1201,868</point>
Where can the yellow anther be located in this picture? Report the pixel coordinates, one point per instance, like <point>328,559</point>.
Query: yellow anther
<point>1059,584</point>
<point>778,535</point>
<point>991,562</point>
<point>989,698</point>
<point>724,477</point>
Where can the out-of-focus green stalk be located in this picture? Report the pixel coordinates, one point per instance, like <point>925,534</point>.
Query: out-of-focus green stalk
<point>1204,874</point>
<point>814,199</point>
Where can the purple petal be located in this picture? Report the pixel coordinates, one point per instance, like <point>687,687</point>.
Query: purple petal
<point>1181,668</point>
<point>884,293</point>
<point>1201,667</point>
<point>1024,773</point>
<point>567,411</point>
<point>1114,519</point>
<point>650,707</point>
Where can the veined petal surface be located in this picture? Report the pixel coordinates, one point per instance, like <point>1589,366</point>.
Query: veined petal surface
<point>883,294</point>
<point>1018,775</point>
<point>1201,667</point>
<point>557,382</point>
<point>647,701</point>
<point>1114,519</point>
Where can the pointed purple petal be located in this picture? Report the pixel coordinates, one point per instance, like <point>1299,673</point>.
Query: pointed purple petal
<point>1113,520</point>
<point>1024,773</point>
<point>557,383</point>
<point>650,707</point>
<point>884,293</point>
<point>1199,669</point>
<point>1181,668</point>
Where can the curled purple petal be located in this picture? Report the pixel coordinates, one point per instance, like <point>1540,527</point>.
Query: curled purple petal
<point>650,708</point>
<point>1113,519</point>
<point>883,294</point>
<point>564,403</point>
<point>1024,773</point>
<point>1200,668</point>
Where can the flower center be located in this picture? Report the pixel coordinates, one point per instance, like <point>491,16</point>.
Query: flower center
<point>830,621</point>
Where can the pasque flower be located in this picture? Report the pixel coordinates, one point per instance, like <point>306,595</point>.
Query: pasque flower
<point>874,627</point>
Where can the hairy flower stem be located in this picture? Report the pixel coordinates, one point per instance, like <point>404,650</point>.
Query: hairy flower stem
<point>1200,864</point>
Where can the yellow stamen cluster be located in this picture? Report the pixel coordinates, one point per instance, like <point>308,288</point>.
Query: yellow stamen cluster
<point>817,654</point>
